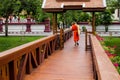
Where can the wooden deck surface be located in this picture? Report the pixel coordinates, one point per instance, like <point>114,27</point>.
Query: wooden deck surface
<point>71,63</point>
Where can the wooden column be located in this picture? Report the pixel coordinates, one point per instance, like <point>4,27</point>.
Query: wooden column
<point>54,23</point>
<point>62,33</point>
<point>93,22</point>
<point>47,25</point>
<point>28,25</point>
<point>61,38</point>
<point>86,39</point>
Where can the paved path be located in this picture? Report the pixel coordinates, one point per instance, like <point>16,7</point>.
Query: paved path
<point>71,63</point>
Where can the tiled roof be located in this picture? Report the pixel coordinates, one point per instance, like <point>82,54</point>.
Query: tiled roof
<point>62,5</point>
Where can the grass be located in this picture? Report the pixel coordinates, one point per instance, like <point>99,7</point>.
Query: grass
<point>112,41</point>
<point>13,41</point>
<point>112,45</point>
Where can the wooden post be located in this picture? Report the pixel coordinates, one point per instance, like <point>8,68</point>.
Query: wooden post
<point>13,70</point>
<point>61,38</point>
<point>86,39</point>
<point>28,25</point>
<point>47,25</point>
<point>93,22</point>
<point>54,23</point>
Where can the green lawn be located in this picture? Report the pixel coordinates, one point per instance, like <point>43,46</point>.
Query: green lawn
<point>111,46</point>
<point>13,41</point>
<point>113,41</point>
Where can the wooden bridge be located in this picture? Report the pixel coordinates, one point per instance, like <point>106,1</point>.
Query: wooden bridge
<point>71,63</point>
<point>46,59</point>
<point>55,57</point>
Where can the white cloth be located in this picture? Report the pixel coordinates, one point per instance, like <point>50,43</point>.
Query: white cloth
<point>79,31</point>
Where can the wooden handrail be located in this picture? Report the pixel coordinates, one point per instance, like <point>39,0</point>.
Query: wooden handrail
<point>103,66</point>
<point>9,55</point>
<point>87,39</point>
<point>21,60</point>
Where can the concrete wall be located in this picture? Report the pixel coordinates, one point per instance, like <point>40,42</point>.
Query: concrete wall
<point>113,29</point>
<point>20,30</point>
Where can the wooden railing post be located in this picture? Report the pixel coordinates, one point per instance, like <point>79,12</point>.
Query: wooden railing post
<point>86,39</point>
<point>12,70</point>
<point>17,62</point>
<point>61,38</point>
<point>54,23</point>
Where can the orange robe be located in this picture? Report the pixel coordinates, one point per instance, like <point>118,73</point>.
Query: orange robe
<point>75,32</point>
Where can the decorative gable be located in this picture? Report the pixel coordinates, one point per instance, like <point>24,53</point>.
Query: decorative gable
<point>64,5</point>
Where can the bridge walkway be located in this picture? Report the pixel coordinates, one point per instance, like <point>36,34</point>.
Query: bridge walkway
<point>71,63</point>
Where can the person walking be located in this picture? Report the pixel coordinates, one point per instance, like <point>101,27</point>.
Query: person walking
<point>74,28</point>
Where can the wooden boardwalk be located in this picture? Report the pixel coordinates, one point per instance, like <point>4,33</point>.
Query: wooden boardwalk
<point>71,63</point>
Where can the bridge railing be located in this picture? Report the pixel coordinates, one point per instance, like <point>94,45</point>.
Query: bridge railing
<point>102,66</point>
<point>21,60</point>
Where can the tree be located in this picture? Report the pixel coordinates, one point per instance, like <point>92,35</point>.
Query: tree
<point>76,15</point>
<point>106,18</point>
<point>8,7</point>
<point>117,5</point>
<point>33,9</point>
<point>114,4</point>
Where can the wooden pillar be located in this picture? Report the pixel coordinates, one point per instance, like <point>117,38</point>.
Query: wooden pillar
<point>62,33</point>
<point>47,25</point>
<point>28,25</point>
<point>54,23</point>
<point>86,39</point>
<point>61,38</point>
<point>93,22</point>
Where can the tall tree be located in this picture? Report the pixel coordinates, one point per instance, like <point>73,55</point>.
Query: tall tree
<point>33,9</point>
<point>106,18</point>
<point>114,4</point>
<point>117,5</point>
<point>8,7</point>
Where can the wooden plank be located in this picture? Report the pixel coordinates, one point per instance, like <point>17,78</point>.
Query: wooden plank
<point>70,63</point>
<point>104,67</point>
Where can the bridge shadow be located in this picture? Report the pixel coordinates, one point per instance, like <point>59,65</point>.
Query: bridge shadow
<point>71,63</point>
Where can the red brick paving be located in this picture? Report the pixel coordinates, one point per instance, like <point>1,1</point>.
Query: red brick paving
<point>71,63</point>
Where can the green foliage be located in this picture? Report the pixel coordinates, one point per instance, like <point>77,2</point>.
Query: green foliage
<point>98,19</point>
<point>116,59</point>
<point>110,49</point>
<point>112,5</point>
<point>83,28</point>
<point>10,42</point>
<point>106,17</point>
<point>118,69</point>
<point>113,42</point>
<point>75,15</point>
<point>7,7</point>
<point>105,48</point>
<point>32,7</point>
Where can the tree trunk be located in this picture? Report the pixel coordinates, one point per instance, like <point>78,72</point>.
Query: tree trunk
<point>6,27</point>
<point>106,28</point>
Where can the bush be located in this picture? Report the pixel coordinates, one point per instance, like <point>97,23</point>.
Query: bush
<point>83,28</point>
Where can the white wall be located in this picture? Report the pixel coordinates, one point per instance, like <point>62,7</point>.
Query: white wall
<point>20,30</point>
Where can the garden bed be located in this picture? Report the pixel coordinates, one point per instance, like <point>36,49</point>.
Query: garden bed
<point>111,46</point>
